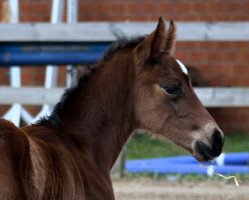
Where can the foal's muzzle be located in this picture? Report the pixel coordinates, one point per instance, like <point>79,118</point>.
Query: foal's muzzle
<point>208,152</point>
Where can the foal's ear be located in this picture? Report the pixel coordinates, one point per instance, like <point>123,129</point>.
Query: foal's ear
<point>159,36</point>
<point>170,39</point>
<point>152,44</point>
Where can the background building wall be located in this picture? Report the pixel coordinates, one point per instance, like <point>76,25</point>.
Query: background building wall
<point>220,63</point>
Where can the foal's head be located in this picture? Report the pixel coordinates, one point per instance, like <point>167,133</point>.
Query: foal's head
<point>166,104</point>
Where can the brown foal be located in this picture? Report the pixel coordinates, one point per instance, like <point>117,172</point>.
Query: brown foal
<point>137,85</point>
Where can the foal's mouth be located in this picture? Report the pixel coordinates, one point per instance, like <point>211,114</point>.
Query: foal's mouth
<point>204,152</point>
<point>205,149</point>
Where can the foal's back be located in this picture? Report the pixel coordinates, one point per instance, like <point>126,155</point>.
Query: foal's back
<point>54,170</point>
<point>39,163</point>
<point>15,165</point>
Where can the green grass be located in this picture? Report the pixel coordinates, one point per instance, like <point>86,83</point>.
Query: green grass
<point>236,142</point>
<point>142,146</point>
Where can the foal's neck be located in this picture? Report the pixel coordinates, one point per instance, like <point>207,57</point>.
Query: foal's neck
<point>102,112</point>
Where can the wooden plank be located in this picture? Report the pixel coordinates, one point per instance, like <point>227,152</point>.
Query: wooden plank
<point>210,97</point>
<point>193,31</point>
<point>223,97</point>
<point>43,32</point>
<point>106,32</point>
<point>30,95</point>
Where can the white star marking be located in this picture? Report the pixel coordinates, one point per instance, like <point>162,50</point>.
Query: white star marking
<point>183,68</point>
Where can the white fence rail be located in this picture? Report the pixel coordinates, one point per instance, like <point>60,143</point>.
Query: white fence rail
<point>223,97</point>
<point>210,97</point>
<point>104,31</point>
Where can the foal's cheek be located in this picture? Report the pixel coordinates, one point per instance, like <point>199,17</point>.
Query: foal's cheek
<point>149,115</point>
<point>154,108</point>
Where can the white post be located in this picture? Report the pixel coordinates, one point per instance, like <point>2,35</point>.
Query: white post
<point>72,17</point>
<point>57,12</point>
<point>14,113</point>
<point>52,70</point>
<point>72,11</point>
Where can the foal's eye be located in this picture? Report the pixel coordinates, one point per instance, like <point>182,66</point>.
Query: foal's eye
<point>173,90</point>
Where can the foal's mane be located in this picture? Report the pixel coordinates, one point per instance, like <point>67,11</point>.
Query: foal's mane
<point>122,44</point>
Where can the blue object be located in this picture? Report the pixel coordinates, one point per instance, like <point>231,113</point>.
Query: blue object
<point>241,158</point>
<point>43,58</point>
<point>230,163</point>
<point>54,53</point>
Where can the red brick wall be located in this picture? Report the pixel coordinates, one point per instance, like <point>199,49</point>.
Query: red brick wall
<point>221,63</point>
<point>145,10</point>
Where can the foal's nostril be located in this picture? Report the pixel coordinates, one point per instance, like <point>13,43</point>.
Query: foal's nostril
<point>217,139</point>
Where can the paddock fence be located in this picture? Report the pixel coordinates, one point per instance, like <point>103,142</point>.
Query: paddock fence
<point>84,43</point>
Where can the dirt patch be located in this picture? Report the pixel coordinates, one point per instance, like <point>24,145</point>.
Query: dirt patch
<point>158,190</point>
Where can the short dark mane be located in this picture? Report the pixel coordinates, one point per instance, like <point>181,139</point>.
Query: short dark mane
<point>54,119</point>
<point>121,44</point>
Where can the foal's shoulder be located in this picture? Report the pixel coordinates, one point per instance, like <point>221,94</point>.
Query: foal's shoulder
<point>15,162</point>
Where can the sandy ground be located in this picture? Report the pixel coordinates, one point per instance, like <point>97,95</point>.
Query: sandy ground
<point>158,190</point>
